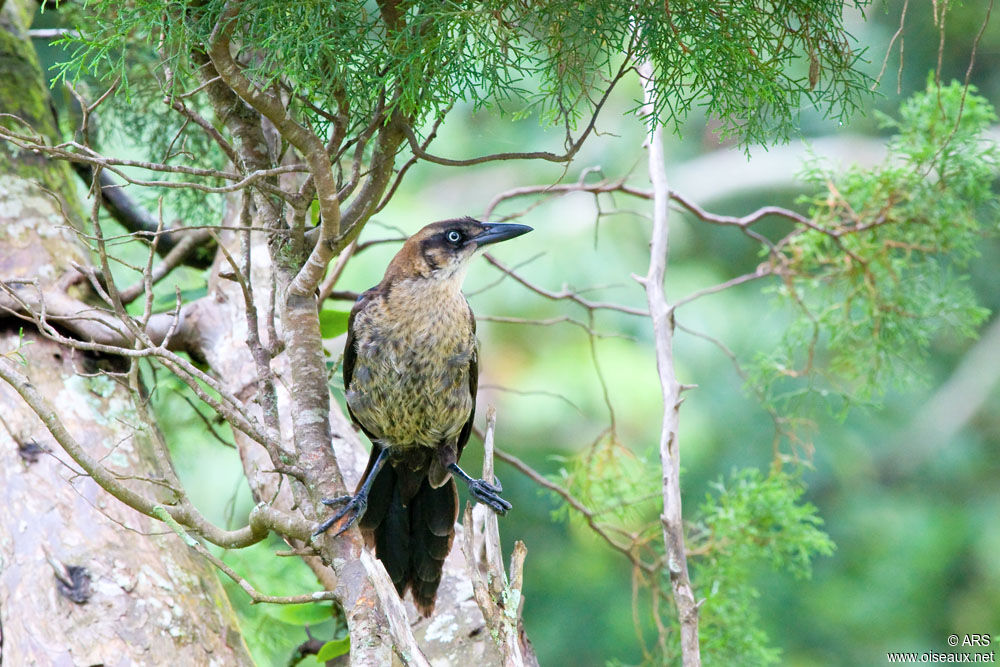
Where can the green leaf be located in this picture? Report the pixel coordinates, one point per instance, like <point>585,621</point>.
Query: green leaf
<point>169,299</point>
<point>332,323</point>
<point>309,613</point>
<point>314,212</point>
<point>334,649</point>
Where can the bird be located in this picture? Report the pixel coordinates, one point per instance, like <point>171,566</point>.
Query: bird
<point>411,372</point>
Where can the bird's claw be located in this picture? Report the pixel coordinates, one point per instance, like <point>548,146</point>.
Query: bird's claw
<point>354,506</point>
<point>489,495</point>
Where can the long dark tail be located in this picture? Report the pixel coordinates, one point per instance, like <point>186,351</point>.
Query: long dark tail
<point>411,526</point>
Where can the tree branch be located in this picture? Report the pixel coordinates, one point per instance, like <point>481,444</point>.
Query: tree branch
<point>565,293</point>
<point>161,513</point>
<point>574,147</point>
<point>662,316</point>
<point>129,214</point>
<point>309,145</point>
<point>499,599</point>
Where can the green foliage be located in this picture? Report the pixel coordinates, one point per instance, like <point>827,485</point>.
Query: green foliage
<point>16,353</point>
<point>752,63</point>
<point>274,631</point>
<point>334,649</point>
<point>620,487</point>
<point>750,520</point>
<point>880,274</point>
<point>332,323</point>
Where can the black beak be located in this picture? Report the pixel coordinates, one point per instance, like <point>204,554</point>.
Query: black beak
<point>495,232</point>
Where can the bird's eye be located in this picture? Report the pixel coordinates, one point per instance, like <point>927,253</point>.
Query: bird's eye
<point>453,236</point>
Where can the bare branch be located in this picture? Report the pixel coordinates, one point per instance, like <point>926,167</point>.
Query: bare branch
<point>574,146</point>
<point>326,288</point>
<point>589,515</point>
<point>412,161</point>
<point>499,599</point>
<point>885,61</point>
<point>209,129</point>
<point>662,316</point>
<point>565,293</point>
<point>127,212</point>
<point>176,257</point>
<point>52,33</point>
<point>549,322</point>
<point>163,515</point>
<point>762,271</point>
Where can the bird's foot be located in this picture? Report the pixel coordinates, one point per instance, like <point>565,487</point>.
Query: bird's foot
<point>353,509</point>
<point>489,495</point>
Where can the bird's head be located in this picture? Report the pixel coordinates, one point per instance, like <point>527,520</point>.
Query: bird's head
<point>442,250</point>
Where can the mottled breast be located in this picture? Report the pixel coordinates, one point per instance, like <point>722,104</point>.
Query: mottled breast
<point>415,346</point>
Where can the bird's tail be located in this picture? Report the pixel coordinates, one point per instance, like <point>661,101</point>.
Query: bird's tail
<point>411,526</point>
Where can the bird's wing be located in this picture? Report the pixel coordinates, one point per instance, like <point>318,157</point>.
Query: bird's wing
<point>463,437</point>
<point>350,351</point>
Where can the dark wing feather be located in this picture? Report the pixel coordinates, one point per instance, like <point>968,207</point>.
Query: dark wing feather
<point>463,437</point>
<point>351,352</point>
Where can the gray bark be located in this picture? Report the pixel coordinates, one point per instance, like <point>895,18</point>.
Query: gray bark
<point>84,580</point>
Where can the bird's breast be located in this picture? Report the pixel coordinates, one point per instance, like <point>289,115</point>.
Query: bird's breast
<point>410,384</point>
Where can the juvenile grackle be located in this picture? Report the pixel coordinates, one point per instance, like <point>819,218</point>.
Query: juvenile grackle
<point>410,379</point>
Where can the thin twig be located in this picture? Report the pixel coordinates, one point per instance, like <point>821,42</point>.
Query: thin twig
<point>575,503</point>
<point>255,597</point>
<point>564,294</point>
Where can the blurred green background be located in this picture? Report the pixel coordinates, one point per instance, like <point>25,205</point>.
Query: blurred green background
<point>909,490</point>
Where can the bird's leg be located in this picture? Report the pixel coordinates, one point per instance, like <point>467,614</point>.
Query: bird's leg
<point>354,505</point>
<point>484,492</point>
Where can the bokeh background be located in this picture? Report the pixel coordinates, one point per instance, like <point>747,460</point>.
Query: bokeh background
<point>909,489</point>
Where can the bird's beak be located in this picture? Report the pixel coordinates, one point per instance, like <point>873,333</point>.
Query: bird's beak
<point>499,231</point>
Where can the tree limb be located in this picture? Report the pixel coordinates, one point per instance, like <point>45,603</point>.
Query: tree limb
<point>661,314</point>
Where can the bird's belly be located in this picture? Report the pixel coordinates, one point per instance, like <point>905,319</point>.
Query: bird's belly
<point>411,395</point>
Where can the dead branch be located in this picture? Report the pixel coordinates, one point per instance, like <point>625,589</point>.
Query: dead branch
<point>661,314</point>
<point>627,550</point>
<point>572,148</point>
<point>255,597</point>
<point>181,253</point>
<point>130,215</point>
<point>499,599</point>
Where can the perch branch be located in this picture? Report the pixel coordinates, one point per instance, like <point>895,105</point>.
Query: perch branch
<point>499,599</point>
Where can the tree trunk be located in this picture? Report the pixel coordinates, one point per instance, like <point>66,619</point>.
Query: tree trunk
<point>84,580</point>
